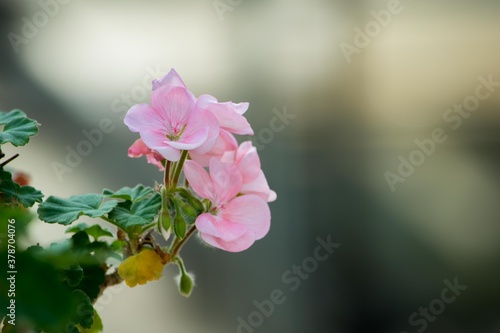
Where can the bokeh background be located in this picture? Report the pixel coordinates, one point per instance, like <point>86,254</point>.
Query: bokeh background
<point>353,120</point>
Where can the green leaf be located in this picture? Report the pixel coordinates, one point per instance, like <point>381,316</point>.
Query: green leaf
<point>28,195</point>
<point>18,128</point>
<point>118,245</point>
<point>96,326</point>
<point>95,231</point>
<point>40,297</point>
<point>65,211</point>
<point>25,195</point>
<point>93,278</point>
<point>72,276</point>
<point>91,256</point>
<point>83,310</point>
<point>130,214</point>
<point>137,193</point>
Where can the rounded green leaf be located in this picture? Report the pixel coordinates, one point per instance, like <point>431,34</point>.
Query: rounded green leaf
<point>17,129</point>
<point>65,211</point>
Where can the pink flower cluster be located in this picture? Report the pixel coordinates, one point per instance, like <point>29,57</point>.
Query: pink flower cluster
<point>235,185</point>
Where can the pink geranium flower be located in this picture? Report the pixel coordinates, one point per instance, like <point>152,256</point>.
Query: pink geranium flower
<point>173,122</point>
<point>228,114</point>
<point>234,222</point>
<point>246,159</point>
<point>139,149</point>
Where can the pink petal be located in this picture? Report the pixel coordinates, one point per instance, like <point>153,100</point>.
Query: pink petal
<point>238,245</point>
<point>143,117</point>
<point>169,153</point>
<point>248,162</point>
<point>228,114</point>
<point>272,196</point>
<point>201,127</point>
<point>201,116</point>
<point>216,226</point>
<point>226,179</point>
<point>205,100</point>
<point>153,128</point>
<point>228,157</point>
<point>192,141</point>
<point>138,149</point>
<point>225,142</point>
<point>172,79</point>
<point>173,105</point>
<point>199,180</point>
<point>156,140</point>
<point>241,108</point>
<point>259,187</point>
<point>251,211</point>
<point>155,159</point>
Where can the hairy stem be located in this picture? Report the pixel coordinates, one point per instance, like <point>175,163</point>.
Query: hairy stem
<point>177,247</point>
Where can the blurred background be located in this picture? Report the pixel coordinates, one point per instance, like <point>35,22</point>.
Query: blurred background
<point>353,112</point>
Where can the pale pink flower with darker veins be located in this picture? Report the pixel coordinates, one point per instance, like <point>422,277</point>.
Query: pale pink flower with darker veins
<point>139,148</point>
<point>228,114</point>
<point>235,221</point>
<point>173,122</point>
<point>247,160</point>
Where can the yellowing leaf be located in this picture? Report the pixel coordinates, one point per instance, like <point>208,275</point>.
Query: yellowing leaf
<point>141,268</point>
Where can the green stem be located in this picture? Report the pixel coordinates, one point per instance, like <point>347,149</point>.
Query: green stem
<point>178,245</point>
<point>178,170</point>
<point>181,265</point>
<point>132,238</point>
<point>166,176</point>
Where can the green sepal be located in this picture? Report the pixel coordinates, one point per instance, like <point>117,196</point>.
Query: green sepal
<point>191,200</point>
<point>165,217</point>
<point>187,212</point>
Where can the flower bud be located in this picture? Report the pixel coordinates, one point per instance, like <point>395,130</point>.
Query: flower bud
<point>192,201</point>
<point>188,213</point>
<point>179,226</point>
<point>186,283</point>
<point>165,218</point>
